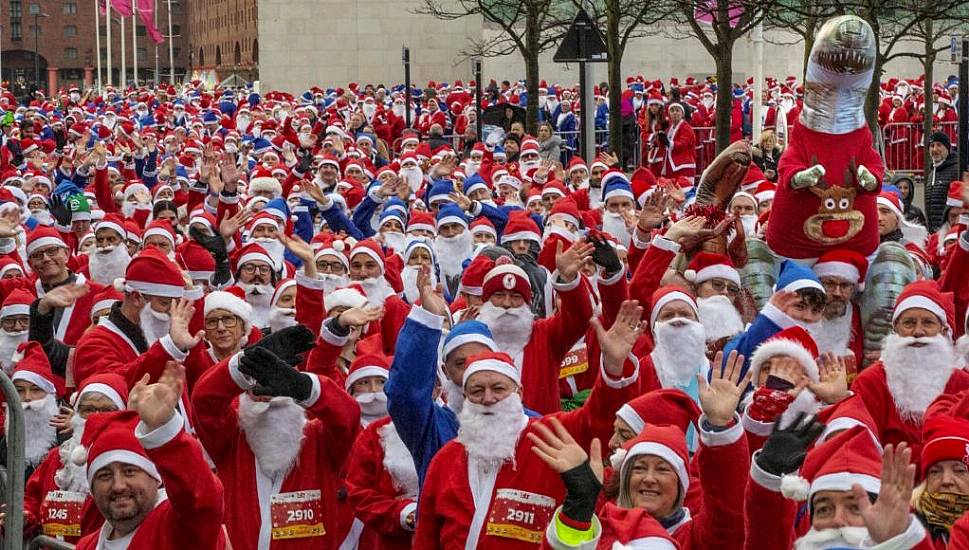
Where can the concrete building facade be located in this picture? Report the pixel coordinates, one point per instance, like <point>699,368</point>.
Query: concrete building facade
<point>223,39</point>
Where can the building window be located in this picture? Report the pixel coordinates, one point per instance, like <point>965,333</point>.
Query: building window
<point>104,54</point>
<point>142,53</point>
<point>141,30</point>
<point>34,9</point>
<point>70,30</point>
<point>70,8</point>
<point>176,30</point>
<point>15,31</point>
<point>102,30</point>
<point>176,52</point>
<point>16,9</point>
<point>70,53</point>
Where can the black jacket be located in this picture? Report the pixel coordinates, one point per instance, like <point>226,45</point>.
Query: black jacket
<point>937,189</point>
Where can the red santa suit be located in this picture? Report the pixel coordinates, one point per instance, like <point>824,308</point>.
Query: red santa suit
<point>681,153</point>
<point>897,137</point>
<point>70,322</point>
<point>256,502</point>
<point>382,484</point>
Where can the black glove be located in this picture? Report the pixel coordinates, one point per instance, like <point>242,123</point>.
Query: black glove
<point>60,211</point>
<point>274,377</point>
<point>288,343</point>
<point>663,138</point>
<point>60,138</point>
<point>305,162</point>
<point>785,449</point>
<point>605,255</point>
<point>581,492</point>
<point>215,244</point>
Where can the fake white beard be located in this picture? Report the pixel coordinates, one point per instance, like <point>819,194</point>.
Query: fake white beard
<point>377,290</point>
<point>71,476</point>
<point>750,224</point>
<point>373,406</point>
<point>274,431</point>
<point>452,251</point>
<point>9,342</point>
<point>805,402</point>
<point>275,248</point>
<point>637,103</point>
<point>552,104</point>
<point>398,110</point>
<point>42,216</point>
<point>844,537</point>
<point>398,462</point>
<point>490,433</point>
<point>615,225</point>
<point>260,297</point>
<point>962,349</point>
<point>525,166</point>
<point>916,376</point>
<point>129,208</point>
<point>332,282</point>
<point>409,276</point>
<point>40,436</point>
<point>108,263</point>
<point>832,335</point>
<point>510,328</point>
<point>680,351</point>
<point>281,317</point>
<point>454,394</point>
<point>369,110</point>
<point>414,178</point>
<point>471,167</point>
<point>395,240</point>
<point>719,317</point>
<point>154,325</point>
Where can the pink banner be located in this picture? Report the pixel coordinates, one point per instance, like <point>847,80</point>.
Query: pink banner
<point>123,7</point>
<point>146,12</point>
<point>705,11</point>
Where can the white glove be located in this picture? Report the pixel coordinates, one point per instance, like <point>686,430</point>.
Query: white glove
<point>866,179</point>
<point>808,177</point>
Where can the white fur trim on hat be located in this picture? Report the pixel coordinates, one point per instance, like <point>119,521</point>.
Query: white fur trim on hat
<point>843,481</point>
<point>922,302</point>
<point>111,225</point>
<point>35,379</point>
<point>764,196</point>
<point>124,457</point>
<point>718,271</point>
<point>256,257</point>
<point>671,297</point>
<point>795,487</point>
<point>482,228</point>
<point>265,183</point>
<point>458,341</point>
<point>786,347</point>
<point>36,244</point>
<point>220,299</point>
<point>154,289</point>
<point>14,309</point>
<point>104,390</point>
<point>492,365</point>
<point>521,236</point>
<point>344,297</point>
<point>452,219</point>
<point>664,452</point>
<point>631,417</point>
<point>842,270</point>
<point>160,232</point>
<point>361,373</point>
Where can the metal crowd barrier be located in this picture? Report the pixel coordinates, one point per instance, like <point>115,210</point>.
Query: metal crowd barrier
<point>13,489</point>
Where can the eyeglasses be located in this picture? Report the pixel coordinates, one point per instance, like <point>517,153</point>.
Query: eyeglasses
<point>720,285</point>
<point>335,268</point>
<point>229,321</point>
<point>50,252</point>
<point>253,268</point>
<point>15,322</point>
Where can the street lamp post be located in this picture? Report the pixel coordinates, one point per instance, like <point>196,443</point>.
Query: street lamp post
<point>37,15</point>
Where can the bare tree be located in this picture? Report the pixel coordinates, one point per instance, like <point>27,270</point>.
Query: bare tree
<point>804,21</point>
<point>529,27</point>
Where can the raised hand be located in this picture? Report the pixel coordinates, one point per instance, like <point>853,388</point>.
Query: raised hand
<point>684,228</point>
<point>719,397</point>
<point>557,448</point>
<point>889,516</point>
<point>230,226</point>
<point>617,343</point>
<point>155,403</point>
<point>62,296</point>
<point>785,449</point>
<point>654,211</point>
<point>461,200</point>
<point>62,420</point>
<point>431,300</point>
<point>10,222</point>
<point>866,179</point>
<point>360,316</point>
<point>833,375</point>
<point>808,177</point>
<point>569,262</point>
<point>605,255</point>
<point>784,300</point>
<point>274,376</point>
<point>215,244</point>
<point>287,343</point>
<point>181,314</point>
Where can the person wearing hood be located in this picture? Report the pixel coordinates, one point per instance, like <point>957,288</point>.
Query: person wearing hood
<point>906,187</point>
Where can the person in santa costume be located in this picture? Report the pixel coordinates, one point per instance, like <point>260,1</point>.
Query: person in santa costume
<point>110,256</point>
<point>918,364</point>
<point>716,284</point>
<point>487,488</point>
<point>842,274</point>
<point>943,495</point>
<point>130,455</point>
<point>653,474</point>
<point>282,449</point>
<point>58,484</point>
<point>47,256</point>
<point>119,343</point>
<point>368,267</point>
<point>14,322</point>
<point>255,273</point>
<point>680,143</point>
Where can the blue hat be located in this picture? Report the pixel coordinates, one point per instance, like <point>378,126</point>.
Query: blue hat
<point>210,118</point>
<point>394,204</point>
<point>795,276</point>
<point>467,332</point>
<point>451,213</point>
<point>498,152</point>
<point>393,214</point>
<point>181,174</point>
<point>440,191</point>
<point>419,242</point>
<point>616,186</point>
<point>474,182</point>
<point>261,145</point>
<point>278,207</point>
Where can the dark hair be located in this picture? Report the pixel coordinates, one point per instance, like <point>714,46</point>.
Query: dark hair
<point>164,205</point>
<point>813,297</point>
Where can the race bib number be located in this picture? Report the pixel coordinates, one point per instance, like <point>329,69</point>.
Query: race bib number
<point>520,515</point>
<point>297,515</point>
<point>851,367</point>
<point>575,362</point>
<point>61,513</point>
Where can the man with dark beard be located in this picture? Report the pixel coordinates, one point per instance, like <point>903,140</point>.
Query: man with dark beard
<point>282,449</point>
<point>842,273</point>
<point>109,258</point>
<point>537,347</point>
<point>255,274</point>
<point>918,364</point>
<point>38,389</point>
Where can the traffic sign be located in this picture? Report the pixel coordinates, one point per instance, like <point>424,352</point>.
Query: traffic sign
<point>583,43</point>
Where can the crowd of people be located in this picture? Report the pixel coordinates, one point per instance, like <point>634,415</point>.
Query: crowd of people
<point>254,321</point>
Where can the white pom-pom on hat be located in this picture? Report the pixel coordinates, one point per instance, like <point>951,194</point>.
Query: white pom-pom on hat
<point>616,458</point>
<point>339,245</point>
<point>690,275</point>
<point>119,284</point>
<point>79,455</point>
<point>795,487</point>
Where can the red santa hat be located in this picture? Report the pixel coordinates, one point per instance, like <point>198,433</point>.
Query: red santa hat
<point>196,260</point>
<point>252,252</point>
<point>946,438</point>
<point>108,384</point>
<point>114,222</point>
<point>847,414</point>
<point>567,210</point>
<point>473,276</point>
<point>666,294</point>
<point>367,364</point>
<point>422,221</point>
<point>31,365</point>
<point>228,301</point>
<point>521,227</point>
<point>329,245</point>
<point>161,228</point>
<point>707,265</point>
<point>350,296</point>
<point>765,191</point>
<point>281,287</point>
<point>17,303</point>
<point>844,264</point>
<point>370,248</point>
<point>839,463</point>
<point>926,294</point>
<point>262,180</point>
<point>483,225</point>
<point>105,299</point>
<point>7,264</point>
<point>643,183</point>
<point>152,273</point>
<point>633,528</point>
<point>492,361</point>
<point>794,342</point>
<point>204,218</point>
<point>109,438</point>
<point>534,196</point>
<point>666,442</point>
<point>507,276</point>
<point>954,198</point>
<point>263,218</point>
<point>554,188</point>
<point>42,237</point>
<point>663,406</point>
<point>133,231</point>
<point>576,163</point>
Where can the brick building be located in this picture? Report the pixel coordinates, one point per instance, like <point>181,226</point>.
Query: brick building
<point>223,40</point>
<point>65,43</point>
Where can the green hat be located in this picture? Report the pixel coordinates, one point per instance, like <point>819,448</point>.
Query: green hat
<point>80,207</point>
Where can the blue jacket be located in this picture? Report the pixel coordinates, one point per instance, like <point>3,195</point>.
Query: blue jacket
<point>768,322</point>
